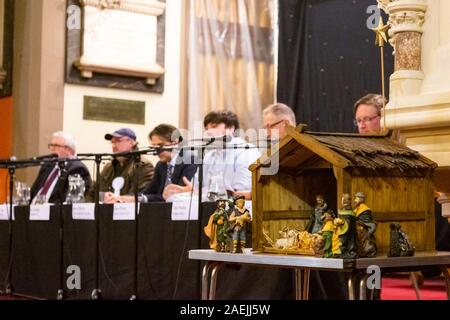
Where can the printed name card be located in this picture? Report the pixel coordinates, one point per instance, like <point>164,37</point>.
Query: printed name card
<point>4,211</point>
<point>40,212</point>
<point>124,211</point>
<point>180,209</point>
<point>83,211</point>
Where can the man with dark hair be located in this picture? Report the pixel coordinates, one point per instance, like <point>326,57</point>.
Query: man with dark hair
<point>124,140</point>
<point>229,118</point>
<point>367,111</point>
<point>226,162</point>
<point>172,168</point>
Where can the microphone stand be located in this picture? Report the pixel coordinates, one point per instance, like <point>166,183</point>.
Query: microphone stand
<point>8,285</point>
<point>62,177</point>
<point>97,292</point>
<point>136,158</point>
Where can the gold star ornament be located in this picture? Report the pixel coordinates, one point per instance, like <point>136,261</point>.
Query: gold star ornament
<point>380,32</point>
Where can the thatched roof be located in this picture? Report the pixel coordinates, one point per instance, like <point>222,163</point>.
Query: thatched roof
<point>377,152</point>
<point>373,152</point>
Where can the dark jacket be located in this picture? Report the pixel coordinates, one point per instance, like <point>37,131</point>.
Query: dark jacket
<point>155,189</point>
<point>62,185</point>
<point>143,172</point>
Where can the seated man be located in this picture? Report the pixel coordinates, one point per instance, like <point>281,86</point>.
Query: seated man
<point>367,111</point>
<point>172,168</point>
<point>275,118</point>
<point>225,165</point>
<point>124,140</point>
<point>50,185</point>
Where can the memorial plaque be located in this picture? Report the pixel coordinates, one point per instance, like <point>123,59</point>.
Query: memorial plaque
<point>113,110</point>
<point>120,44</point>
<point>6,46</point>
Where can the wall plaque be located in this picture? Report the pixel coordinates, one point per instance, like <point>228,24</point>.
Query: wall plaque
<point>6,46</point>
<point>119,44</point>
<point>113,110</point>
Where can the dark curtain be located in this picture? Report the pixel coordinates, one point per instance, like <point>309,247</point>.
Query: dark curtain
<point>327,60</point>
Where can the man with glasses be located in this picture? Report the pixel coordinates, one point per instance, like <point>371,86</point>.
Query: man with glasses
<point>50,185</point>
<point>367,112</point>
<point>124,140</point>
<point>275,119</point>
<point>174,167</point>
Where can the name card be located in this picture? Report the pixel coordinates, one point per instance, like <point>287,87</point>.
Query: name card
<point>180,209</point>
<point>124,211</point>
<point>4,211</point>
<point>40,212</point>
<point>83,211</point>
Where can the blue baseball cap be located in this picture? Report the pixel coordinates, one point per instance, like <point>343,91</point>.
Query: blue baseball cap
<point>123,132</point>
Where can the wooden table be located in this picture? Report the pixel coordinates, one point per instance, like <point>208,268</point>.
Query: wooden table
<point>302,265</point>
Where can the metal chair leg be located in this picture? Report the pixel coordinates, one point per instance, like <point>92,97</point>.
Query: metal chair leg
<point>415,284</point>
<point>205,278</point>
<point>363,287</point>
<point>213,282</point>
<point>447,281</point>
<point>298,284</point>
<point>306,277</point>
<point>351,286</point>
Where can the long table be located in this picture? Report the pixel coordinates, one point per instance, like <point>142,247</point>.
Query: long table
<point>164,270</point>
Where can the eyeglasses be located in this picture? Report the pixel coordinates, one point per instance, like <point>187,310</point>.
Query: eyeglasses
<point>358,122</point>
<point>54,145</point>
<point>270,126</point>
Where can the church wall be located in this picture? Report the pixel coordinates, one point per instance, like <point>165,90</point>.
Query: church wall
<point>159,108</point>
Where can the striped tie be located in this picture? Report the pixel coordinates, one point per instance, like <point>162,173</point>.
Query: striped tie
<point>169,174</point>
<point>50,179</point>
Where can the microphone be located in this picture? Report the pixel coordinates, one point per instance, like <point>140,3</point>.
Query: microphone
<point>225,138</point>
<point>45,156</point>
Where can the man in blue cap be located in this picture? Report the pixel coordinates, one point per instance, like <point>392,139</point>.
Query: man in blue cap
<point>124,140</point>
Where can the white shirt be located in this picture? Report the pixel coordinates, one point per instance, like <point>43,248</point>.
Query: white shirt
<point>229,164</point>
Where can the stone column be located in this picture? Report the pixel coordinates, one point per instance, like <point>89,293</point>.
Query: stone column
<point>406,18</point>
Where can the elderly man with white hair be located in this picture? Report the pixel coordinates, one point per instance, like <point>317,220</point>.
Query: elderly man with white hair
<point>49,185</point>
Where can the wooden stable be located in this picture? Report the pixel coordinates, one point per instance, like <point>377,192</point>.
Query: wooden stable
<point>397,182</point>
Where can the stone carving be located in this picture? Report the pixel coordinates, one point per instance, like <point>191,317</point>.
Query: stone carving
<point>406,19</point>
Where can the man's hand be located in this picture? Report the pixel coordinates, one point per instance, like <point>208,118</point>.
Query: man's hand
<point>172,189</point>
<point>111,198</point>
<point>246,194</point>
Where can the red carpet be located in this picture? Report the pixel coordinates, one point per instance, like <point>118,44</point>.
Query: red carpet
<point>401,289</point>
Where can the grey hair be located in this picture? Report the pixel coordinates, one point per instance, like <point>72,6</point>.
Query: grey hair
<point>69,140</point>
<point>279,110</point>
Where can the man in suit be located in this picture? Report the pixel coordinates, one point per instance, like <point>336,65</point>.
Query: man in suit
<point>51,184</point>
<point>172,168</point>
